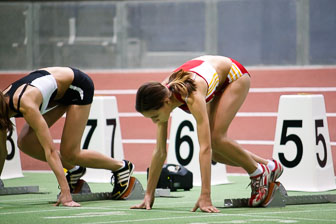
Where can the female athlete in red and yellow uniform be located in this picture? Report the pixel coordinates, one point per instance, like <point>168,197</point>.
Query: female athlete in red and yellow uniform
<point>212,89</point>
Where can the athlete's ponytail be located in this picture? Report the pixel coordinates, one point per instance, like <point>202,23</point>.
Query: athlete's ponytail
<point>181,83</point>
<point>5,122</point>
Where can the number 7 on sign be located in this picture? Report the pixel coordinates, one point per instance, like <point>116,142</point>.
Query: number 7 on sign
<point>93,125</point>
<point>113,122</point>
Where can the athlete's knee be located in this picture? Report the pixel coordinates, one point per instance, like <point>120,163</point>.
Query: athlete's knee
<point>215,156</point>
<point>69,154</point>
<point>219,142</point>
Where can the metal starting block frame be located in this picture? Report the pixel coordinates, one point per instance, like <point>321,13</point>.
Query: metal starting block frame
<point>85,194</point>
<point>17,190</point>
<point>280,198</point>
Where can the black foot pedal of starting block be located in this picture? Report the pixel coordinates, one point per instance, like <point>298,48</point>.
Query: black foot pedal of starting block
<point>17,190</point>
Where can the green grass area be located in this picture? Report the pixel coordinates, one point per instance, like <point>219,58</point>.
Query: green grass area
<point>39,208</point>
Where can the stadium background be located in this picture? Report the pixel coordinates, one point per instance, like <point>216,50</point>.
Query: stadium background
<point>288,46</point>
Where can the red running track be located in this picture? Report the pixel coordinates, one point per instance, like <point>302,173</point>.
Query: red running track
<point>254,125</point>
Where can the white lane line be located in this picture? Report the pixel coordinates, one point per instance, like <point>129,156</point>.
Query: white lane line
<point>153,141</point>
<point>292,89</point>
<point>87,215</point>
<point>252,90</point>
<point>252,214</point>
<point>53,210</point>
<point>116,92</point>
<point>239,114</point>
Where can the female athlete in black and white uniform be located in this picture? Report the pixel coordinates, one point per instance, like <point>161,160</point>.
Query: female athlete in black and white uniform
<point>41,98</point>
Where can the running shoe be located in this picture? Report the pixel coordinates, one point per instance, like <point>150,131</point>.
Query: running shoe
<point>74,176</point>
<point>120,179</point>
<point>277,171</point>
<point>259,185</point>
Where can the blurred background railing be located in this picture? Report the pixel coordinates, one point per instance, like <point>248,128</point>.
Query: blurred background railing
<point>163,34</point>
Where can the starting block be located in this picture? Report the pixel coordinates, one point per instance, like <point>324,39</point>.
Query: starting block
<point>82,192</point>
<point>135,191</point>
<point>280,198</point>
<point>17,190</point>
<point>82,187</point>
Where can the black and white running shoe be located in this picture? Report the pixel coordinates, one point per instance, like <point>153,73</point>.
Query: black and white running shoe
<point>74,176</point>
<point>120,179</point>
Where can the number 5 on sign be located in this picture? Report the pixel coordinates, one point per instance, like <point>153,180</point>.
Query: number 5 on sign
<point>184,148</point>
<point>302,144</point>
<point>102,134</point>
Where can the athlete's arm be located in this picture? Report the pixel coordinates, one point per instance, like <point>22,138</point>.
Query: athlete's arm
<point>30,102</point>
<point>197,106</point>
<point>158,157</point>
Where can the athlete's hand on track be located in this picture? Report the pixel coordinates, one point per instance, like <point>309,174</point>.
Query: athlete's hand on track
<point>146,204</point>
<point>205,205</point>
<point>66,200</point>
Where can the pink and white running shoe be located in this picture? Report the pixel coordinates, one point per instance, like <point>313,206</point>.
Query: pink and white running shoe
<point>277,171</point>
<point>259,185</point>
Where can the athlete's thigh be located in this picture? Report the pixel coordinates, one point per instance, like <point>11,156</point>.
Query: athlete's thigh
<point>27,138</point>
<point>75,122</point>
<point>225,107</point>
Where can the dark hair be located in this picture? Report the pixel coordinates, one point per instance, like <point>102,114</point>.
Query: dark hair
<point>151,95</point>
<point>180,82</point>
<point>5,122</point>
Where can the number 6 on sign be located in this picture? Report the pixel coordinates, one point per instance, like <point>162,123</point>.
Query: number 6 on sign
<point>179,141</point>
<point>184,148</point>
<point>302,144</point>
